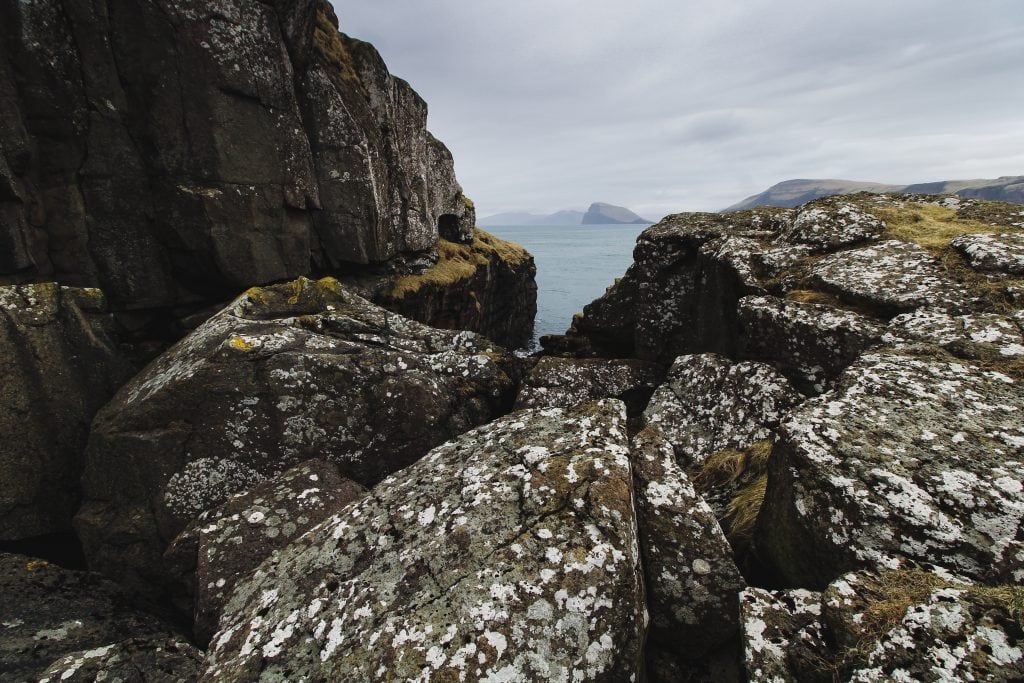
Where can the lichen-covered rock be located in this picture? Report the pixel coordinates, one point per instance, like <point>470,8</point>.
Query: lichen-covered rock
<point>910,460</point>
<point>810,343</point>
<point>998,252</point>
<point>977,335</point>
<point>680,294</point>
<point>138,660</point>
<point>226,544</point>
<point>509,553</point>
<point>48,612</point>
<point>781,631</point>
<point>59,363</point>
<point>831,224</point>
<point>691,580</point>
<point>894,626</point>
<point>284,373</point>
<point>709,403</point>
<point>178,152</point>
<point>565,382</point>
<point>889,277</point>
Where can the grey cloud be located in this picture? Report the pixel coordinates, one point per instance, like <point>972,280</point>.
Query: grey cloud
<point>666,106</point>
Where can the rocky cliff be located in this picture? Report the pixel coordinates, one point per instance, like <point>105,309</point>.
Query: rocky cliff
<point>174,153</point>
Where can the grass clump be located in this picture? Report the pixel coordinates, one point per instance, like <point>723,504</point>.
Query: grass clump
<point>747,472</point>
<point>457,262</point>
<point>930,225</point>
<point>329,44</point>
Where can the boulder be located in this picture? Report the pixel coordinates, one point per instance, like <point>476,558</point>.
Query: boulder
<point>59,363</point>
<point>509,553</point>
<point>284,373</point>
<point>914,458</point>
<point>976,335</point>
<point>993,252</point>
<point>828,224</point>
<point>889,277</point>
<point>140,660</point>
<point>49,613</point>
<point>226,544</point>
<point>810,343</point>
<point>691,580</point>
<point>897,626</point>
<point>565,382</point>
<point>709,403</point>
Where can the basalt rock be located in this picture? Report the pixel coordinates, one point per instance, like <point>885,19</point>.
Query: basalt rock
<point>691,581</point>
<point>59,363</point>
<point>1000,253</point>
<point>175,153</point>
<point>139,660</point>
<point>708,404</point>
<point>914,459</point>
<point>226,544</point>
<point>896,626</point>
<point>49,613</point>
<point>486,286</point>
<point>565,382</point>
<point>285,373</point>
<point>509,553</point>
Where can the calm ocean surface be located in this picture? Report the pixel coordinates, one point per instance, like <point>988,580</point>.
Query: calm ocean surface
<point>575,263</point>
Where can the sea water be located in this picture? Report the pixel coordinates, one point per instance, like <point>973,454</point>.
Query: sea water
<point>575,264</point>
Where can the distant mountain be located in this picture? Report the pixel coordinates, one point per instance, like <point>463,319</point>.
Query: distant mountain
<point>519,218</point>
<point>604,214</point>
<point>795,192</point>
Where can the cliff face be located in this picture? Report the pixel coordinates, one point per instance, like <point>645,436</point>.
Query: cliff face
<point>176,152</point>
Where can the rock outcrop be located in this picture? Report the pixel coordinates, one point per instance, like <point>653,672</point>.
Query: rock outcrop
<point>180,152</point>
<point>509,553</point>
<point>600,213</point>
<point>285,373</point>
<point>896,626</point>
<point>63,621</point>
<point>486,285</point>
<point>565,382</point>
<point>226,544</point>
<point>59,363</point>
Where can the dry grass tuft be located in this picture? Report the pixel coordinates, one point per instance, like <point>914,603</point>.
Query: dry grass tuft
<point>747,469</point>
<point>743,510</point>
<point>809,296</point>
<point>929,225</point>
<point>329,44</point>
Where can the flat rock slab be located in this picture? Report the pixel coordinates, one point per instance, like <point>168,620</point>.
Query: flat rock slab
<point>566,382</point>
<point>226,544</point>
<point>894,626</point>
<point>692,582</point>
<point>709,403</point>
<point>810,343</point>
<point>508,554</point>
<point>828,225</point>
<point>59,363</point>
<point>995,252</point>
<point>139,660</point>
<point>48,612</point>
<point>889,277</point>
<point>283,374</point>
<point>911,460</point>
<point>977,335</point>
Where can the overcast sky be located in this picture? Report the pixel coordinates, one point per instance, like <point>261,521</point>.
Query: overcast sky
<point>674,105</point>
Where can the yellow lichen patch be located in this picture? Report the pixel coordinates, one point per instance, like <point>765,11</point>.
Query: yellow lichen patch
<point>457,262</point>
<point>330,45</point>
<point>240,344</point>
<point>929,225</point>
<point>36,565</point>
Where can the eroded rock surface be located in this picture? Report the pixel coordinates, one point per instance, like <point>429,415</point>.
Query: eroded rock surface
<point>709,403</point>
<point>59,363</point>
<point>139,660</point>
<point>226,544</point>
<point>977,335</point>
<point>828,225</point>
<point>48,612</point>
<point>691,580</point>
<point>509,553</point>
<point>283,374</point>
<point>565,382</point>
<point>898,626</point>
<point>999,252</point>
<point>911,460</point>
